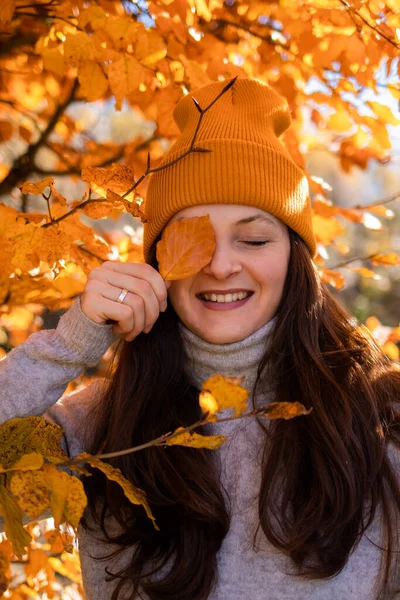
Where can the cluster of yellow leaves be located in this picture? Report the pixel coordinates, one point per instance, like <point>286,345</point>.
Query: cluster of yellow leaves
<point>219,393</point>
<point>33,478</point>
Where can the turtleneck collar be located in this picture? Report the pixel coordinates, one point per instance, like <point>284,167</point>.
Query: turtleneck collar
<point>232,360</point>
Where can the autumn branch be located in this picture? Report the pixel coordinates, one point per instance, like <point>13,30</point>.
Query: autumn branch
<point>274,410</point>
<point>25,164</point>
<point>149,170</point>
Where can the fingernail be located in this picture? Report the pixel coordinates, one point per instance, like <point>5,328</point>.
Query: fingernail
<point>163,306</point>
<point>147,329</point>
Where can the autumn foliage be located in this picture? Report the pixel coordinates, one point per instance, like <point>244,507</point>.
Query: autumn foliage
<point>56,55</point>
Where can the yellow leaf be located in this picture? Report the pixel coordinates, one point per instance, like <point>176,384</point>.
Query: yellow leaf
<point>130,206</point>
<point>340,121</point>
<point>53,60</point>
<point>380,210</point>
<point>28,462</point>
<point>64,569</point>
<point>366,272</point>
<point>36,187</point>
<point>150,48</point>
<point>24,435</point>
<point>324,208</point>
<point>391,350</point>
<point>208,403</point>
<point>285,410</point>
<point>93,82</point>
<point>7,8</point>
<point>124,76</point>
<point>12,515</point>
<point>334,278</point>
<point>226,392</point>
<point>195,440</point>
<point>67,496</point>
<point>185,248</point>
<point>385,259</point>
<point>121,31</point>
<point>6,131</point>
<point>89,15</point>
<point>118,178</point>
<point>5,567</point>
<point>79,46</point>
<point>133,493</point>
<point>326,230</point>
<point>30,488</point>
<point>384,113</point>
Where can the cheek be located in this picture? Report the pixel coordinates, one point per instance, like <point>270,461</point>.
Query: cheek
<point>178,291</point>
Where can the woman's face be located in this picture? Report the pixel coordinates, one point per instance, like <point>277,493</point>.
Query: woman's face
<point>251,256</point>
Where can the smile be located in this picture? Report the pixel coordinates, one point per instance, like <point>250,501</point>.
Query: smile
<point>226,301</point>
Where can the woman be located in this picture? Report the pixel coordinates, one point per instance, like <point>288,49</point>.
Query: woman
<point>306,508</point>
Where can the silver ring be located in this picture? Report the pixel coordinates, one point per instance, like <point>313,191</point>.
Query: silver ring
<point>122,295</point>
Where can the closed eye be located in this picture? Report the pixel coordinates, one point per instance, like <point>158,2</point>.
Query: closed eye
<point>256,243</point>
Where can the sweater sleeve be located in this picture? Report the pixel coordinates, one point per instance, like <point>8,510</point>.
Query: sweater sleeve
<point>34,375</point>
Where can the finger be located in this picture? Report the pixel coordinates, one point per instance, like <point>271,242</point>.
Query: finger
<point>139,315</point>
<point>135,286</point>
<point>122,314</point>
<point>141,271</point>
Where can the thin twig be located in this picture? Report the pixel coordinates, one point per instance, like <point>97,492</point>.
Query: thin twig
<point>191,149</point>
<point>163,439</point>
<point>347,262</point>
<point>390,199</point>
<point>351,10</point>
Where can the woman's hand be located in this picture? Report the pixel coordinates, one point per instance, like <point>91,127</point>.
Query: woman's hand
<point>147,296</point>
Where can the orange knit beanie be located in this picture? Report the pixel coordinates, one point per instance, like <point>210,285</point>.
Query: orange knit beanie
<point>248,164</point>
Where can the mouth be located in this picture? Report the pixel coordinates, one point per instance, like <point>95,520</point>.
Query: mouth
<point>224,301</point>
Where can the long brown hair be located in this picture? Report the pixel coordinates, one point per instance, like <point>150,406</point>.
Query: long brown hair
<point>324,475</point>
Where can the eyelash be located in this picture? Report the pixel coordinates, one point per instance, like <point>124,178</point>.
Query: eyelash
<point>256,243</point>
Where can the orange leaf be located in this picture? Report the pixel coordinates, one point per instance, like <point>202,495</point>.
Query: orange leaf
<point>7,10</point>
<point>185,248</point>
<point>326,229</point>
<point>6,131</point>
<point>36,187</point>
<point>385,259</point>
<point>334,278</point>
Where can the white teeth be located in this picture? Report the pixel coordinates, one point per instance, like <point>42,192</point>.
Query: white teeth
<point>225,297</point>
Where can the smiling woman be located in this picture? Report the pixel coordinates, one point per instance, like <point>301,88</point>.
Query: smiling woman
<point>304,508</point>
<point>251,256</point>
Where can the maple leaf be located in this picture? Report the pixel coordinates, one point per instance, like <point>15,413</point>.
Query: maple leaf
<point>185,248</point>
<point>195,440</point>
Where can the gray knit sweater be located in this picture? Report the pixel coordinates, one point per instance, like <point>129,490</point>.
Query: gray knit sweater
<point>33,378</point>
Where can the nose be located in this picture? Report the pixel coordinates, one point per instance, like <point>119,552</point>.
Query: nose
<point>224,263</point>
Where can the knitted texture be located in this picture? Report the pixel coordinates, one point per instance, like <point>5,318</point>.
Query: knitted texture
<point>248,164</point>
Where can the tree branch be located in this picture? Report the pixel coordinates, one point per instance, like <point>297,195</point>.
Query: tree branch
<point>163,439</point>
<point>350,10</point>
<point>25,164</point>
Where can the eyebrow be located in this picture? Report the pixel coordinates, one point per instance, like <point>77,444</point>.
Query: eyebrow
<point>264,218</point>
